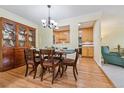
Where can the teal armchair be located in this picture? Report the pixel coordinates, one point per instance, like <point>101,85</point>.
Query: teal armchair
<point>112,57</point>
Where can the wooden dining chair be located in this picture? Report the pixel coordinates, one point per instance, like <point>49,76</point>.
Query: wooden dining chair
<point>48,62</point>
<point>30,59</point>
<point>71,62</point>
<point>37,60</point>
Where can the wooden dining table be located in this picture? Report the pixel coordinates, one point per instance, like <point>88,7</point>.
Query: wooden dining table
<point>62,54</point>
<point>60,51</point>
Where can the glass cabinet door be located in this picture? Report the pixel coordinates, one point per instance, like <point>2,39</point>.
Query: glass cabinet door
<point>22,36</point>
<point>9,36</point>
<point>31,38</point>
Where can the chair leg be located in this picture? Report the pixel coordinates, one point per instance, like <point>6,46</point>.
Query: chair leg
<point>62,71</point>
<point>49,70</point>
<point>31,70</point>
<point>53,77</point>
<point>74,73</point>
<point>76,70</point>
<point>66,68</point>
<point>26,70</point>
<point>35,70</point>
<point>58,71</point>
<point>105,62</point>
<point>42,73</point>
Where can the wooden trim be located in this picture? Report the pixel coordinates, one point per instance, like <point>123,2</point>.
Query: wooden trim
<point>86,57</point>
<point>57,31</point>
<point>16,22</point>
<point>85,28</point>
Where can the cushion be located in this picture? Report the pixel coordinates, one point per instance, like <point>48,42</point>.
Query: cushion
<point>68,61</point>
<point>48,63</point>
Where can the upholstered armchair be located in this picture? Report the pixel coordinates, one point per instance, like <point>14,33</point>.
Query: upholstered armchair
<point>111,57</point>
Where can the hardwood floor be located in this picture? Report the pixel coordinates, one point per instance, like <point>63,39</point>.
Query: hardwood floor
<point>90,76</point>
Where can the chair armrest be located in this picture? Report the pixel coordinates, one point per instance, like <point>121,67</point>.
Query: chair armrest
<point>111,55</point>
<point>115,54</point>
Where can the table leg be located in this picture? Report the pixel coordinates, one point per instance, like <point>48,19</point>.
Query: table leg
<point>58,70</point>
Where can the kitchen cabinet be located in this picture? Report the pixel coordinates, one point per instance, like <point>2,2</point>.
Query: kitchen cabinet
<point>87,34</point>
<point>61,36</point>
<point>87,51</point>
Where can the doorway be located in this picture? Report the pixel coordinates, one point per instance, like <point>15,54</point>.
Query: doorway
<point>85,39</point>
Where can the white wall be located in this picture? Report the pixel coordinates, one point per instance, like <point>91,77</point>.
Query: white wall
<point>14,17</point>
<point>112,27</point>
<point>97,42</point>
<point>45,37</point>
<point>113,34</point>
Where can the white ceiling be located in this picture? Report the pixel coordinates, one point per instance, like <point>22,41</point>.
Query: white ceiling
<point>35,13</point>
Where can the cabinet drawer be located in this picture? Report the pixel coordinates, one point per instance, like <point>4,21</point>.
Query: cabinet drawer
<point>8,58</point>
<point>84,51</point>
<point>19,57</point>
<point>90,51</point>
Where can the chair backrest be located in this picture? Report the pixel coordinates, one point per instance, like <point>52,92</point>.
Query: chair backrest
<point>105,50</point>
<point>77,55</point>
<point>47,53</point>
<point>28,53</point>
<point>37,55</point>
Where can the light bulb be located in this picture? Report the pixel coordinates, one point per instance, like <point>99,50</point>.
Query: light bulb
<point>79,24</point>
<point>43,21</point>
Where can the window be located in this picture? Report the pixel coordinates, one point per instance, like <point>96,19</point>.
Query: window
<point>61,35</point>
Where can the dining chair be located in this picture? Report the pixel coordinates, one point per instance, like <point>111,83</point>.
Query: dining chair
<point>71,62</point>
<point>48,62</point>
<point>37,60</point>
<point>30,59</point>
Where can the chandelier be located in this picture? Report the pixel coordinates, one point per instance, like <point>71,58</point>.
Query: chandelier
<point>49,22</point>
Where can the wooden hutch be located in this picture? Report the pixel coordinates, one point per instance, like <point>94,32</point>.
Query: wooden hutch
<point>14,38</point>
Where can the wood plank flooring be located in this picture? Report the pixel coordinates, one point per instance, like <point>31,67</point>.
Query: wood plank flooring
<point>90,76</point>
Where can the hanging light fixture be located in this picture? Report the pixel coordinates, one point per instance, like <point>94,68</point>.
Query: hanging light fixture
<point>49,22</point>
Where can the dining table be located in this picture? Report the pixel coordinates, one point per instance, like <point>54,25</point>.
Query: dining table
<point>61,55</point>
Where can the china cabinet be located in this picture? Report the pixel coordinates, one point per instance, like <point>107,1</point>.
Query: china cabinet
<point>14,38</point>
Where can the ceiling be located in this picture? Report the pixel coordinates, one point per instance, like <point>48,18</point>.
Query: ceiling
<point>35,13</point>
